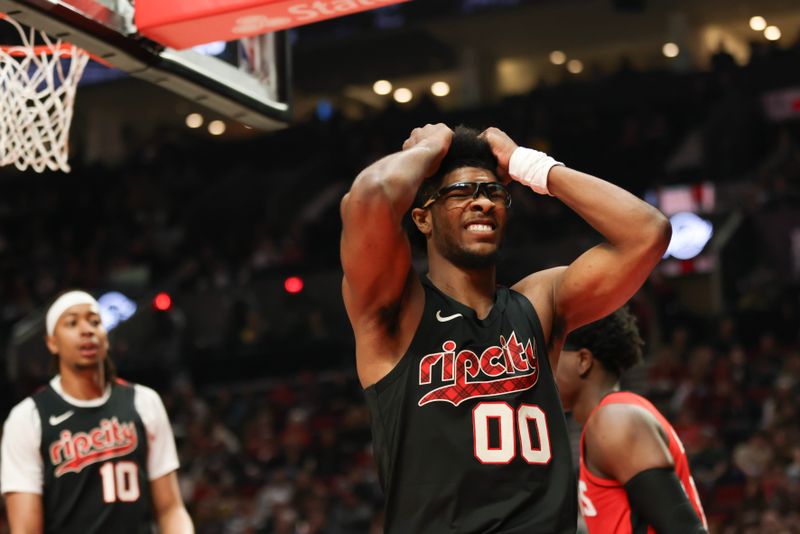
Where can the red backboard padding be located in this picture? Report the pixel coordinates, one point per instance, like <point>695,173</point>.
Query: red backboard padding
<point>185,23</point>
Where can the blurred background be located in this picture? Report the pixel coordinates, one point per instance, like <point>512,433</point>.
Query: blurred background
<point>215,245</point>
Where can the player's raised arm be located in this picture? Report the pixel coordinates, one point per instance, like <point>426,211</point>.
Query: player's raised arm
<point>606,276</point>
<point>376,255</point>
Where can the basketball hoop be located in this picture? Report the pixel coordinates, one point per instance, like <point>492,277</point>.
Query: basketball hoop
<point>37,94</point>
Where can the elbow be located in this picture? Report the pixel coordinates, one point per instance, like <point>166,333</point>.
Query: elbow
<point>364,196</point>
<point>367,185</point>
<point>369,190</point>
<point>660,233</point>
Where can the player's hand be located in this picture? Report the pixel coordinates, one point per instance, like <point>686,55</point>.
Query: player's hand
<point>436,138</point>
<point>502,148</point>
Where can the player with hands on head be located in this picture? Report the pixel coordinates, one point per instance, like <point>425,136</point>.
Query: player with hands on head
<point>468,430</point>
<point>634,474</point>
<point>89,453</point>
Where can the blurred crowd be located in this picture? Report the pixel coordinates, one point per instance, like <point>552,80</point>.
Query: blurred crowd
<point>292,455</point>
<point>286,458</point>
<point>737,410</point>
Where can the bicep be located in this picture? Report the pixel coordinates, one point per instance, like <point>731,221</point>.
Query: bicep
<point>598,282</point>
<point>170,512</point>
<point>162,455</point>
<point>629,429</point>
<point>375,251</point>
<point>25,513</point>
<point>166,493</point>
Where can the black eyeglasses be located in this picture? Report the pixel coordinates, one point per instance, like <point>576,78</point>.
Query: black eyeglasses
<point>465,191</point>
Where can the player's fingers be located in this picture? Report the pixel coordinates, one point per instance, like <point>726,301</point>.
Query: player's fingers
<point>412,138</point>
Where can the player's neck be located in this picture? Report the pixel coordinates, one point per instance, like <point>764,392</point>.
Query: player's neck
<point>591,395</point>
<point>83,384</point>
<point>473,288</point>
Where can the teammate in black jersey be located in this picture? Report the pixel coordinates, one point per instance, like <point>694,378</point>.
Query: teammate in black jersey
<point>89,453</point>
<point>468,429</point>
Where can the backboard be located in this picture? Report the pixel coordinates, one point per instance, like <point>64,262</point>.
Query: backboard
<point>247,80</point>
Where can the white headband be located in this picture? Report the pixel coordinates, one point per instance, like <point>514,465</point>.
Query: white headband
<point>63,303</point>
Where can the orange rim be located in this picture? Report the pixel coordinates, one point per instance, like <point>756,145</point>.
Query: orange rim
<point>20,51</point>
<point>64,49</point>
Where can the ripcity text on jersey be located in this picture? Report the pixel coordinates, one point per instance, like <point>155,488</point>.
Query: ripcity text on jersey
<point>468,429</point>
<point>604,503</point>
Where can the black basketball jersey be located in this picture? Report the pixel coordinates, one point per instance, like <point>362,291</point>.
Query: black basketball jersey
<point>95,465</point>
<point>468,429</point>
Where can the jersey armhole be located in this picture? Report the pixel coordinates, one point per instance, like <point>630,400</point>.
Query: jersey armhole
<point>397,371</point>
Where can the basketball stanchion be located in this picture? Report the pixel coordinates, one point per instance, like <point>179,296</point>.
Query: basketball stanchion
<point>38,80</point>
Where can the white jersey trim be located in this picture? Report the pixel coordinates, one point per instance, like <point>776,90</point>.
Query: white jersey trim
<point>21,465</point>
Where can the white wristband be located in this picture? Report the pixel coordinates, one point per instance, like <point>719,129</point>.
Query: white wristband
<point>531,167</point>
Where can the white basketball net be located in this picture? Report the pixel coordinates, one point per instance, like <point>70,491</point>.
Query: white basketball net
<point>37,93</point>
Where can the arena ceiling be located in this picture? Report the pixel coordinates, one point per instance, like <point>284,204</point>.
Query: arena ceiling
<point>485,49</point>
<point>415,42</point>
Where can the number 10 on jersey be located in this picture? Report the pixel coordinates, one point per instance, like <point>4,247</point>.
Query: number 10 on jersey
<point>501,414</point>
<point>120,481</point>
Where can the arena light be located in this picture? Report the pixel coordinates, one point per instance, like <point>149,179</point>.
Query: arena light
<point>772,33</point>
<point>293,285</point>
<point>758,23</point>
<point>557,57</point>
<point>194,120</point>
<point>216,127</point>
<point>690,234</point>
<point>575,66</point>
<point>670,50</point>
<point>115,308</point>
<point>403,95</point>
<point>162,301</point>
<point>213,48</point>
<point>440,89</point>
<point>382,87</point>
<point>324,110</point>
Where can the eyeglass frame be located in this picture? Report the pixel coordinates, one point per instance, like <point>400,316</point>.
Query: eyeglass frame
<point>481,186</point>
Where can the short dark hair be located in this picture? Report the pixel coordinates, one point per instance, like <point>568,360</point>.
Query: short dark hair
<point>614,341</point>
<point>467,149</point>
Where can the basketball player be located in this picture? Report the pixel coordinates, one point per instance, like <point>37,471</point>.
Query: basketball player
<point>634,475</point>
<point>89,453</point>
<point>468,430</point>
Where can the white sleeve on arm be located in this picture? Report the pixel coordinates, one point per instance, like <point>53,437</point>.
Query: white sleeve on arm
<point>162,456</point>
<point>21,466</point>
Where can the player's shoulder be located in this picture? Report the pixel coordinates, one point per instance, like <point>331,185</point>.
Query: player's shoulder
<point>613,425</point>
<point>539,289</point>
<point>539,282</point>
<point>23,412</point>
<point>145,393</point>
<point>142,393</point>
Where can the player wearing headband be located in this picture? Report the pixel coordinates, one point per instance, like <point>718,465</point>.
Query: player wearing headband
<point>468,430</point>
<point>89,453</point>
<point>634,475</point>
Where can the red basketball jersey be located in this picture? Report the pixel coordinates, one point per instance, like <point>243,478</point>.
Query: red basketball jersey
<point>604,503</point>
